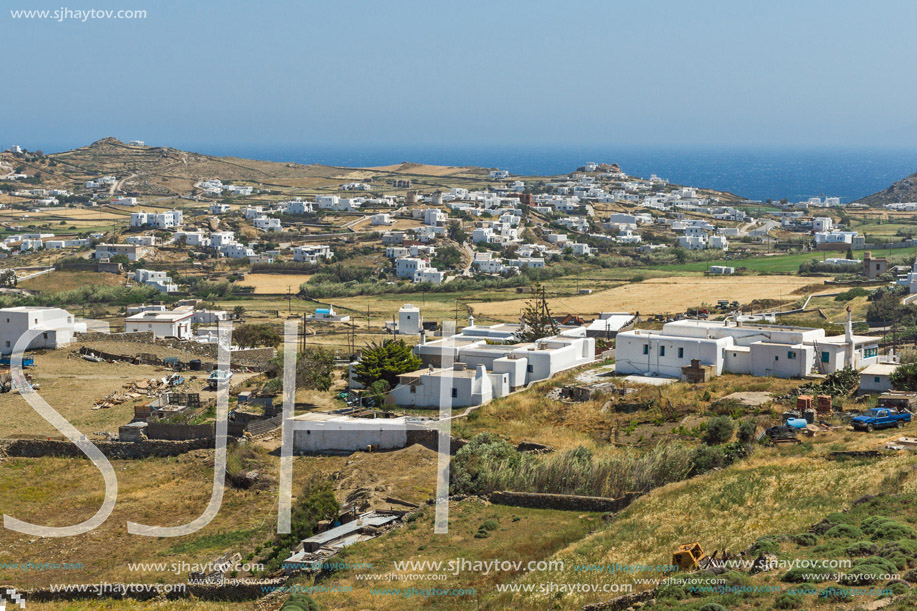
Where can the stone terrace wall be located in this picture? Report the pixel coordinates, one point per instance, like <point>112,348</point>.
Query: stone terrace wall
<point>119,450</point>
<point>253,357</point>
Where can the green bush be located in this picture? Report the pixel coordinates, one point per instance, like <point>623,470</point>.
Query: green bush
<point>788,601</point>
<point>805,539</point>
<point>848,531</point>
<point>719,430</point>
<point>747,430</point>
<point>671,592</point>
<point>713,607</point>
<point>862,548</point>
<point>808,575</point>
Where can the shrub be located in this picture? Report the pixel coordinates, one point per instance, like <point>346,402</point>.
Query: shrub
<point>808,574</point>
<point>868,570</point>
<point>672,592</point>
<point>862,548</point>
<point>844,530</point>
<point>489,525</point>
<point>788,601</point>
<point>746,432</point>
<point>713,607</point>
<point>719,430</point>
<point>766,545</point>
<point>805,539</point>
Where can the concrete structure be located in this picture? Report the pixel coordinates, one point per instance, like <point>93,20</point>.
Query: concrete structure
<point>872,267</point>
<point>877,377</point>
<point>176,323</point>
<point>131,251</point>
<point>486,363</point>
<point>160,280</point>
<point>55,327</point>
<point>318,432</point>
<point>760,350</point>
<point>314,253</point>
<point>161,220</point>
<point>410,321</point>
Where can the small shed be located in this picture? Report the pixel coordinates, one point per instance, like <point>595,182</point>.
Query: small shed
<point>877,377</point>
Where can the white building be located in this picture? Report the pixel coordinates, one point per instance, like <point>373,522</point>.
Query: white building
<point>822,224</point>
<point>131,251</point>
<point>405,267</point>
<point>409,320</point>
<point>176,323</point>
<point>499,174</point>
<point>298,206</point>
<point>160,220</point>
<point>312,253</point>
<point>486,363</point>
<point>382,219</point>
<point>53,327</point>
<point>219,208</point>
<point>835,237</point>
<point>430,275</point>
<point>236,251</point>
<point>160,280</point>
<point>267,223</point>
<point>760,350</point>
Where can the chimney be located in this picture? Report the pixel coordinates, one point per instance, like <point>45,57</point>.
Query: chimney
<point>471,321</point>
<point>848,336</point>
<point>458,367</point>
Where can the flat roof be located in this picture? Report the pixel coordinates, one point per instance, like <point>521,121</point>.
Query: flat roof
<point>880,369</point>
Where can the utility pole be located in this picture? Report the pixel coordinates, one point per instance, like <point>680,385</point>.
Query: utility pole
<point>289,300</point>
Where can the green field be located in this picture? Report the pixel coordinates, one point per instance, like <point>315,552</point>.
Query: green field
<point>780,263</point>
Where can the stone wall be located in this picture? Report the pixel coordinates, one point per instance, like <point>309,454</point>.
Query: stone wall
<point>252,357</point>
<point>232,590</point>
<point>118,450</point>
<point>566,502</point>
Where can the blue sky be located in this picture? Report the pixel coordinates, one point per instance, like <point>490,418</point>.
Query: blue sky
<point>520,73</point>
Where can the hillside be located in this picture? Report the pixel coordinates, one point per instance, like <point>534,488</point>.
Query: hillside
<point>166,171</point>
<point>904,190</point>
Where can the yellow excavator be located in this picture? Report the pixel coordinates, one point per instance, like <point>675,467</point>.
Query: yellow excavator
<point>689,557</point>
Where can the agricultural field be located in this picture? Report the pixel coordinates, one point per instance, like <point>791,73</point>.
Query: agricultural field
<point>661,295</point>
<point>69,280</point>
<point>275,283</point>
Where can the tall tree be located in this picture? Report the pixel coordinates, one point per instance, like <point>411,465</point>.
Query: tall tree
<point>536,317</point>
<point>385,361</point>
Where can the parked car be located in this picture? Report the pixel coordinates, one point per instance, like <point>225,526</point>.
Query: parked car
<point>880,417</point>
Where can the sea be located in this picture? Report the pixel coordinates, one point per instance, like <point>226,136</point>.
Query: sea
<point>759,174</point>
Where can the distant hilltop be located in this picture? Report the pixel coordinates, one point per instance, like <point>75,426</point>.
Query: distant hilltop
<point>139,170</point>
<point>904,190</point>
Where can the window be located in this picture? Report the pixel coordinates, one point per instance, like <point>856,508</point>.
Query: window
<point>454,393</point>
<point>790,355</point>
<point>530,368</point>
<point>681,353</point>
<point>876,379</point>
<point>661,350</point>
<point>825,357</point>
<point>776,358</point>
<point>646,349</point>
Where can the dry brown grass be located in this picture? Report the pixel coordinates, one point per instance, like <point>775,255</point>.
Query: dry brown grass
<point>70,280</point>
<point>275,283</point>
<point>660,295</point>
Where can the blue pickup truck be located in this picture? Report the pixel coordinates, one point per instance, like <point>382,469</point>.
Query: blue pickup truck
<point>880,417</point>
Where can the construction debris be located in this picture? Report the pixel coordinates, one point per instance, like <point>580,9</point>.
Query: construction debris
<point>139,389</point>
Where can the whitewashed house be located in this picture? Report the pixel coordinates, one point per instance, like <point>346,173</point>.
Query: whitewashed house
<point>312,253</point>
<point>175,323</point>
<point>55,327</point>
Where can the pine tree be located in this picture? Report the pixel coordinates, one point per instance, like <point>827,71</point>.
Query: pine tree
<point>536,317</point>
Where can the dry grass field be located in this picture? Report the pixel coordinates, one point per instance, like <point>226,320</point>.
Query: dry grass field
<point>660,295</point>
<point>69,280</point>
<point>72,386</point>
<point>275,283</point>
